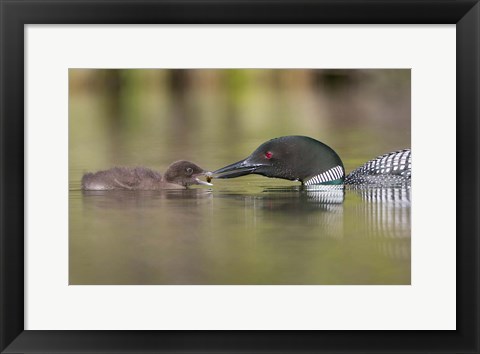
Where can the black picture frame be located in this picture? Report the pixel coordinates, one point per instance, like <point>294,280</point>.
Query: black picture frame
<point>15,14</point>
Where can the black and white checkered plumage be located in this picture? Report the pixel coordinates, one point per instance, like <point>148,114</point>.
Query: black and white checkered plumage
<point>394,168</point>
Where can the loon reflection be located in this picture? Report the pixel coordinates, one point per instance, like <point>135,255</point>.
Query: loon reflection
<point>119,199</point>
<point>389,219</point>
<point>382,213</point>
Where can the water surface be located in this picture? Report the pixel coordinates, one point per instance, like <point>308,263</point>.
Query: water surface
<point>241,232</point>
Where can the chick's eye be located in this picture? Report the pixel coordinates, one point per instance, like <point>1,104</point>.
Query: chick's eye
<point>189,170</point>
<point>268,155</point>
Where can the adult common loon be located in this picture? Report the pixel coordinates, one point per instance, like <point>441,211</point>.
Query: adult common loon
<point>179,175</point>
<point>300,158</point>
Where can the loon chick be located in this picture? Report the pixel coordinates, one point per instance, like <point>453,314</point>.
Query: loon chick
<point>300,158</point>
<point>179,175</point>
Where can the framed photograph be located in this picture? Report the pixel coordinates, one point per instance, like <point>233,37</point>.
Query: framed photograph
<point>231,230</point>
<point>237,176</point>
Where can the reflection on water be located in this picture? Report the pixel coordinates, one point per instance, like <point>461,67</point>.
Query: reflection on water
<point>388,223</point>
<point>270,235</point>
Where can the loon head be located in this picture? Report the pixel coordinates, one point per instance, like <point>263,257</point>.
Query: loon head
<point>296,158</point>
<point>185,173</point>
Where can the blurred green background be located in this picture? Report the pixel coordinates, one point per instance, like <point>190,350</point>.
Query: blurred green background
<point>240,231</point>
<point>213,117</point>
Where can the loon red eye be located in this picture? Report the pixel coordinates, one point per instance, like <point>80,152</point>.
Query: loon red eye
<point>268,155</point>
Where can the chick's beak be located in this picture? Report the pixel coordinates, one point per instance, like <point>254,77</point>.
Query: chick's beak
<point>208,176</point>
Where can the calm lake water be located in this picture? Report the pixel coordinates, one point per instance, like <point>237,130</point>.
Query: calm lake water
<point>240,232</point>
<point>248,230</point>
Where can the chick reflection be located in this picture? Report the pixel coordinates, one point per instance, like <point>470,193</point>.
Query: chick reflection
<point>143,237</point>
<point>135,199</point>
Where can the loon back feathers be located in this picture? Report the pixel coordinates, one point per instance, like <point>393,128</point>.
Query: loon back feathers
<point>389,169</point>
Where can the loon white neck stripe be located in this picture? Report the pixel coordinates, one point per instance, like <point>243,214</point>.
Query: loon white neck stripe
<point>327,176</point>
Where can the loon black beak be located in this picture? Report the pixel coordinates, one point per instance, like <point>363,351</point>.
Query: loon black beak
<point>237,169</point>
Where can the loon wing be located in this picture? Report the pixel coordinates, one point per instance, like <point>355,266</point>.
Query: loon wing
<point>389,169</point>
